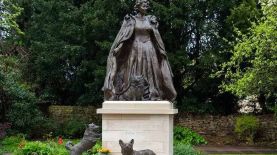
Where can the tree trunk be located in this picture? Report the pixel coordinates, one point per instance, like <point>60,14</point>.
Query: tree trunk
<point>261,100</point>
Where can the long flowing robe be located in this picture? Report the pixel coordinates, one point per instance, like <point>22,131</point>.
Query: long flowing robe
<point>119,55</point>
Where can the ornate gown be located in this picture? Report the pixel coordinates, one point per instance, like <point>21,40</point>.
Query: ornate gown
<point>138,50</point>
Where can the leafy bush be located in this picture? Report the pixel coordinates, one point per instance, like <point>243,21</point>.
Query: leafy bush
<point>40,148</point>
<point>187,136</point>
<point>10,144</point>
<point>12,140</point>
<point>74,128</point>
<point>194,105</point>
<point>50,148</point>
<point>49,128</point>
<point>96,147</point>
<point>46,128</point>
<point>181,149</point>
<point>246,127</point>
<point>17,101</point>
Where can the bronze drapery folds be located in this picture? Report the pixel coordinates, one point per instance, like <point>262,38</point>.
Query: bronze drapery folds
<point>137,65</point>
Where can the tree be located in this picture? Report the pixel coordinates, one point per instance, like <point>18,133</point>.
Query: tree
<point>9,29</point>
<point>69,43</point>
<point>193,32</point>
<point>9,11</point>
<point>18,104</point>
<point>252,69</point>
<point>243,15</point>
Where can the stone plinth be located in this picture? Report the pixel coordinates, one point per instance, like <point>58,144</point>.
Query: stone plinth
<point>149,123</point>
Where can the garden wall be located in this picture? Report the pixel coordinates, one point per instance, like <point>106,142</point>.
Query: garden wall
<point>65,113</point>
<point>220,129</point>
<point>216,129</point>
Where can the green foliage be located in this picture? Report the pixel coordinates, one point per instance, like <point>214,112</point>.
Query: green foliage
<point>181,149</point>
<point>17,101</point>
<point>17,145</point>
<point>247,127</point>
<point>94,150</point>
<point>68,43</point>
<point>41,148</point>
<point>46,148</point>
<point>12,140</point>
<point>73,128</point>
<point>38,148</point>
<point>46,129</point>
<point>193,105</point>
<point>193,39</point>
<point>9,11</point>
<point>185,136</point>
<point>252,68</point>
<point>243,15</point>
<point>96,147</point>
<point>9,144</point>
<point>68,66</point>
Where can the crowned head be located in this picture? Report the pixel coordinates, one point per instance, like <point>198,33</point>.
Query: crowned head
<point>142,6</point>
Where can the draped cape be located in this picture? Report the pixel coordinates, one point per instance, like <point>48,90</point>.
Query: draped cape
<point>118,47</point>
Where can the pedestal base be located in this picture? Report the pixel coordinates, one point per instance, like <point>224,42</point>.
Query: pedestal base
<point>149,123</point>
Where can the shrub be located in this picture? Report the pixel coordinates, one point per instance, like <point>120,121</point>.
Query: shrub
<point>246,127</point>
<point>46,128</point>
<point>96,147</point>
<point>13,140</point>
<point>40,148</point>
<point>181,149</point>
<point>187,136</point>
<point>17,101</point>
<point>74,128</point>
<point>10,144</point>
<point>50,148</point>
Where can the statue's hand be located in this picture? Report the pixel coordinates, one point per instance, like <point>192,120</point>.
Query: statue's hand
<point>117,50</point>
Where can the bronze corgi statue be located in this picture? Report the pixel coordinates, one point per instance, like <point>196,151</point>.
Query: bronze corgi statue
<point>88,141</point>
<point>137,90</point>
<point>127,149</point>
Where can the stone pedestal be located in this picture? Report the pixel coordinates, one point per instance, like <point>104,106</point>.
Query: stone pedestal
<point>149,123</point>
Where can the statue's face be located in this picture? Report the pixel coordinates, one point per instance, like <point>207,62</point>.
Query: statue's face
<point>144,6</point>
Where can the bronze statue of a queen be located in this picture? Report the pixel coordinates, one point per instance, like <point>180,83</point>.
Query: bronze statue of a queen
<point>137,66</point>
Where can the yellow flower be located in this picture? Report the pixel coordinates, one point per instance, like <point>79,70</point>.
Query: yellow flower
<point>104,150</point>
